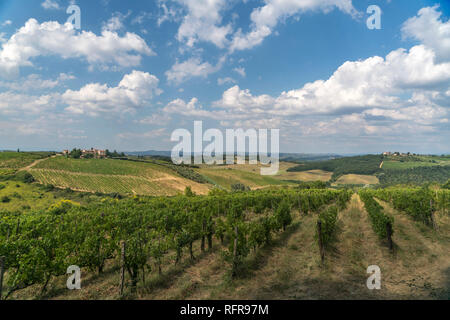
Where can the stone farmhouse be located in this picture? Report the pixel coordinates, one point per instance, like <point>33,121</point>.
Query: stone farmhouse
<point>96,153</point>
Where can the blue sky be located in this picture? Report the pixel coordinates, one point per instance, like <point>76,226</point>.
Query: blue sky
<point>137,70</point>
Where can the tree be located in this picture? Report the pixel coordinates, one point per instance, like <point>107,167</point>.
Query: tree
<point>188,192</point>
<point>76,153</point>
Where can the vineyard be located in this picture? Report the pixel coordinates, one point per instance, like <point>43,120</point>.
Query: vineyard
<point>38,247</point>
<point>113,176</point>
<point>148,239</point>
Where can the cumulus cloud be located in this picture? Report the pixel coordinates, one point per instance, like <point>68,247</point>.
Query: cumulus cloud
<point>407,91</point>
<point>51,38</point>
<point>203,22</point>
<point>266,18</point>
<point>193,67</point>
<point>23,104</point>
<point>136,90</point>
<point>374,82</point>
<point>429,29</point>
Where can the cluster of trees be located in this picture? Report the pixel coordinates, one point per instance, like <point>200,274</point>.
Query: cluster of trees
<point>40,246</point>
<point>415,176</point>
<point>77,153</point>
<point>368,164</point>
<point>186,172</point>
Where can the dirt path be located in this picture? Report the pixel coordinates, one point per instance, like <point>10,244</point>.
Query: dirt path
<point>35,163</point>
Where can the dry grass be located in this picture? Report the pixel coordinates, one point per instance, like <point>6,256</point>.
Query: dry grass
<point>312,175</point>
<point>357,179</point>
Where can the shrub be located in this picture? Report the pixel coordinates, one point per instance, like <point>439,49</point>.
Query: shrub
<point>239,187</point>
<point>62,207</point>
<point>188,192</point>
<point>328,217</point>
<point>5,199</point>
<point>24,177</point>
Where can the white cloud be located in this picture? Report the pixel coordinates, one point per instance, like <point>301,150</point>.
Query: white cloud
<point>226,80</point>
<point>266,18</point>
<point>50,5</point>
<point>134,91</point>
<point>51,38</point>
<point>374,82</point>
<point>35,82</point>
<point>405,92</point>
<point>24,104</point>
<point>193,67</point>
<point>191,108</point>
<point>240,71</point>
<point>429,29</point>
<point>7,23</point>
<point>203,23</point>
<point>168,13</point>
<point>148,134</point>
<point>115,23</point>
<point>154,119</point>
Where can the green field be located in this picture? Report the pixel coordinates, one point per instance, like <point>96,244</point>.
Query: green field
<point>18,160</point>
<point>104,166</point>
<point>24,197</point>
<point>414,162</point>
<point>113,176</point>
<point>225,177</point>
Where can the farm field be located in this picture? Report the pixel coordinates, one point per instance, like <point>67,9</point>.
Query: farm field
<point>249,175</point>
<point>311,175</point>
<point>398,165</point>
<point>18,160</point>
<point>357,179</point>
<point>113,176</point>
<point>225,177</point>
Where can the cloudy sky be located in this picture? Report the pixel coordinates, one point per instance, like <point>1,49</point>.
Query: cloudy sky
<point>137,70</point>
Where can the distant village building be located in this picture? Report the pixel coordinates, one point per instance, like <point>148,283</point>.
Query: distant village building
<point>87,153</point>
<point>95,153</point>
<point>397,154</point>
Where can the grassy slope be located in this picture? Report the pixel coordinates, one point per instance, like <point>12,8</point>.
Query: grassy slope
<point>17,160</point>
<point>25,197</point>
<point>290,268</point>
<point>250,175</point>
<point>110,176</point>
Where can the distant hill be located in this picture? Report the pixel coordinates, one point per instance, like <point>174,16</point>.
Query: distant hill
<point>149,153</point>
<point>290,157</point>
